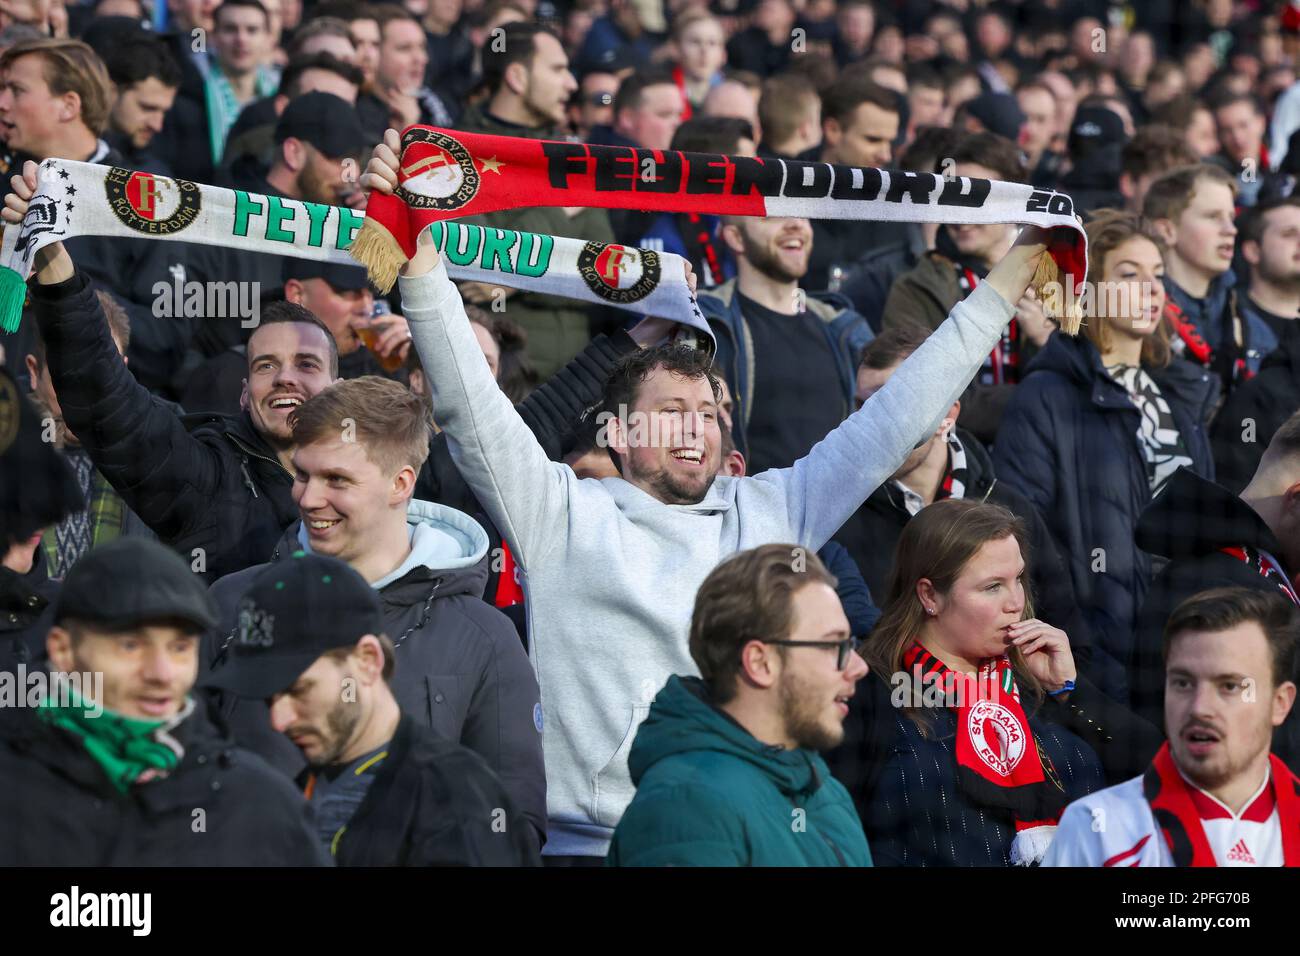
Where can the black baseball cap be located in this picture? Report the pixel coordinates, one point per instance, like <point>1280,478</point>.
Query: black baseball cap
<point>295,611</point>
<point>999,113</point>
<point>130,582</point>
<point>1094,127</point>
<point>328,122</point>
<point>341,278</point>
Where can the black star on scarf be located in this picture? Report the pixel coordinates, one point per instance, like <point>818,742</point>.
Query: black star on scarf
<point>72,190</point>
<point>68,206</point>
<point>63,174</point>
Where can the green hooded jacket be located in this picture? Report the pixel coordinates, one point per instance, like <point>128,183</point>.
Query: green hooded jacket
<point>710,794</point>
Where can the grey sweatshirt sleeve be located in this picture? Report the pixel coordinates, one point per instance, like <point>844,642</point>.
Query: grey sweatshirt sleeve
<point>523,491</point>
<point>828,484</point>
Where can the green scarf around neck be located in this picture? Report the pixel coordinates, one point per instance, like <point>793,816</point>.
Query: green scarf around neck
<point>126,747</point>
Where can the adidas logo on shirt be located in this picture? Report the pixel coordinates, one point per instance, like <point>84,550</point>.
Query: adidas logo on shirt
<point>1240,853</point>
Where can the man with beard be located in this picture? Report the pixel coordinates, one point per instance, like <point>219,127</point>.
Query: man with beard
<point>775,341</point>
<point>1214,795</point>
<point>726,764</point>
<point>623,557</point>
<point>145,80</point>
<point>217,488</point>
<point>386,790</point>
<point>1269,238</point>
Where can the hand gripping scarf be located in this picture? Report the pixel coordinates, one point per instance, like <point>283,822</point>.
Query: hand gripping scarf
<point>1170,797</point>
<point>85,199</point>
<point>446,174</point>
<point>999,762</point>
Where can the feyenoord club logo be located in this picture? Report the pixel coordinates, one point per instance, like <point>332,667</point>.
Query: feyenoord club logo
<point>996,735</point>
<point>151,204</point>
<point>437,172</point>
<point>618,274</point>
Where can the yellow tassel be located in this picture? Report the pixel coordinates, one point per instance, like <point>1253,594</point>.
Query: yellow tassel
<point>377,250</point>
<point>1048,276</point>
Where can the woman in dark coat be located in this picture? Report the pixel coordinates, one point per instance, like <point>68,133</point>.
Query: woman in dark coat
<point>973,729</point>
<point>1099,424</point>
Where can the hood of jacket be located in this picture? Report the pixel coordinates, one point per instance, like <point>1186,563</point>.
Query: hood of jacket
<point>446,544</point>
<point>1192,516</point>
<point>682,720</point>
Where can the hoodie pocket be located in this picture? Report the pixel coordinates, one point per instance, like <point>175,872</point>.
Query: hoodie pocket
<point>612,788</point>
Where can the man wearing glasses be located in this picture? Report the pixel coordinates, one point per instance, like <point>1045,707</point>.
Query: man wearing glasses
<point>726,764</point>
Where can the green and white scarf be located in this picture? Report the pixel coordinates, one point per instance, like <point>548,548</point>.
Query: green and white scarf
<point>85,199</point>
<point>130,750</point>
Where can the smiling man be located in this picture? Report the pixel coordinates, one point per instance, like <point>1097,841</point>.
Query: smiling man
<point>611,567</point>
<point>726,764</point>
<point>357,448</point>
<point>116,775</point>
<point>775,340</point>
<point>1214,795</point>
<point>216,488</point>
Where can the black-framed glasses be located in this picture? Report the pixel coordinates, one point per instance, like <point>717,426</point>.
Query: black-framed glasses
<point>845,647</point>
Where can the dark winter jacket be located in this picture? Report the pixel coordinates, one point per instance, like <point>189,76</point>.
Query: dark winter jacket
<point>847,334</point>
<point>1069,443</point>
<point>854,595</point>
<point>461,669</point>
<point>710,794</point>
<point>905,784</point>
<point>868,281</point>
<point>434,803</point>
<point>59,808</point>
<point>1190,524</point>
<point>26,614</point>
<point>871,534</point>
<point>1253,413</point>
<point>206,482</point>
<point>920,300</point>
<point>1234,355</point>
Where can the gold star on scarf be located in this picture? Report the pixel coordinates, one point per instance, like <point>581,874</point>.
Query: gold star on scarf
<point>492,165</point>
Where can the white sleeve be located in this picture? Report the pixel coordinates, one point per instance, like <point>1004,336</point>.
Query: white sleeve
<point>1076,842</point>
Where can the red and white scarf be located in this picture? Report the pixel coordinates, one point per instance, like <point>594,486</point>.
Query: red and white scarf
<point>999,762</point>
<point>1179,821</point>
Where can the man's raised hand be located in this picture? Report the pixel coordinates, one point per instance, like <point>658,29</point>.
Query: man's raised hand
<point>52,262</point>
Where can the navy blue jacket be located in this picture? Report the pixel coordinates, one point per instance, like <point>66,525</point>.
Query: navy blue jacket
<point>847,334</point>
<point>1069,443</point>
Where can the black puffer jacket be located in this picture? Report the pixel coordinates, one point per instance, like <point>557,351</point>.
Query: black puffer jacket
<point>1068,442</point>
<point>205,482</point>
<point>26,614</point>
<point>1190,524</point>
<point>461,669</point>
<point>1255,411</point>
<point>58,807</point>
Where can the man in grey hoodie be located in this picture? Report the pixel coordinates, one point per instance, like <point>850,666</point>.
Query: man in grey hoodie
<point>612,565</point>
<point>461,668</point>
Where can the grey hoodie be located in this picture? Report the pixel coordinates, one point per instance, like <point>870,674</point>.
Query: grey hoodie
<point>611,573</point>
<point>461,668</point>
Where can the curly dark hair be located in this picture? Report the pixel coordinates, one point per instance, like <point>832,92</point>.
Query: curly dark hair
<point>625,381</point>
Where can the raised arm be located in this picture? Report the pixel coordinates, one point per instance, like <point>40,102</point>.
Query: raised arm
<point>823,488</point>
<point>139,445</point>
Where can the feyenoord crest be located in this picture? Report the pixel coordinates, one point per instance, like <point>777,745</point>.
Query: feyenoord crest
<point>154,205</point>
<point>996,736</point>
<point>619,274</point>
<point>437,172</point>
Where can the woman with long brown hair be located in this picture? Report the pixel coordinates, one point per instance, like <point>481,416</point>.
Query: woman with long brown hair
<point>1098,426</point>
<point>973,729</point>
